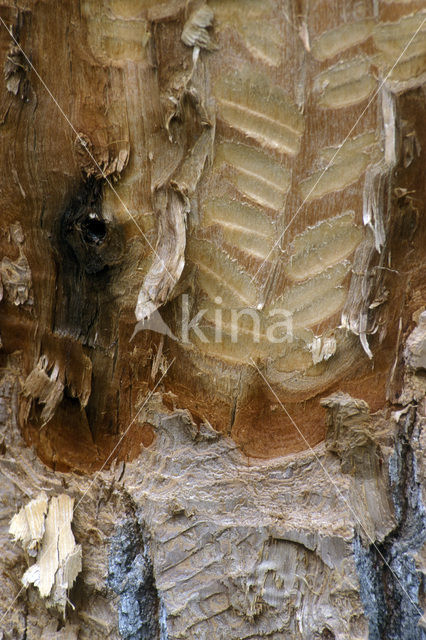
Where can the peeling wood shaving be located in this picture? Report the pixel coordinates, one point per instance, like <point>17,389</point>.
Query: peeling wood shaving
<point>322,348</point>
<point>373,204</point>
<point>108,161</point>
<point>389,125</point>
<point>46,388</point>
<point>157,359</point>
<point>195,32</point>
<point>43,527</point>
<point>28,525</point>
<point>173,201</point>
<point>366,286</point>
<point>16,72</point>
<point>411,149</point>
<point>15,275</point>
<point>168,261</point>
<point>304,35</point>
<point>46,383</point>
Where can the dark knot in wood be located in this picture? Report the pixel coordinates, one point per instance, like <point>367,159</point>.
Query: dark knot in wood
<point>95,242</point>
<point>89,249</point>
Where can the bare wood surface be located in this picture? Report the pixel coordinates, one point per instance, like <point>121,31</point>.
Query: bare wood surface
<point>248,155</point>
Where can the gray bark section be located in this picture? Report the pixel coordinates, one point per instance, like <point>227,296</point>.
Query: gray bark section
<point>390,582</point>
<point>130,575</point>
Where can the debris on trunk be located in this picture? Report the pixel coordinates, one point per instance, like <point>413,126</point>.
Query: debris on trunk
<point>43,527</point>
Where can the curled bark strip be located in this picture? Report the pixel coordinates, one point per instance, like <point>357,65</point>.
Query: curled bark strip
<point>173,199</point>
<point>169,258</point>
<point>367,288</point>
<point>195,32</point>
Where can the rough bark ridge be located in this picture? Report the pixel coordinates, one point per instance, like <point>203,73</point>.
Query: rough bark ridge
<point>209,166</point>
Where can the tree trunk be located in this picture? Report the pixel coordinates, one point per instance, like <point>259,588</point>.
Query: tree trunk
<point>212,319</point>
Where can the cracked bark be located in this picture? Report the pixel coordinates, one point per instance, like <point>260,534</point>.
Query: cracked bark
<point>211,156</point>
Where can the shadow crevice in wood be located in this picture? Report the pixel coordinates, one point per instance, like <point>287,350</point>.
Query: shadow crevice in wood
<point>89,249</point>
